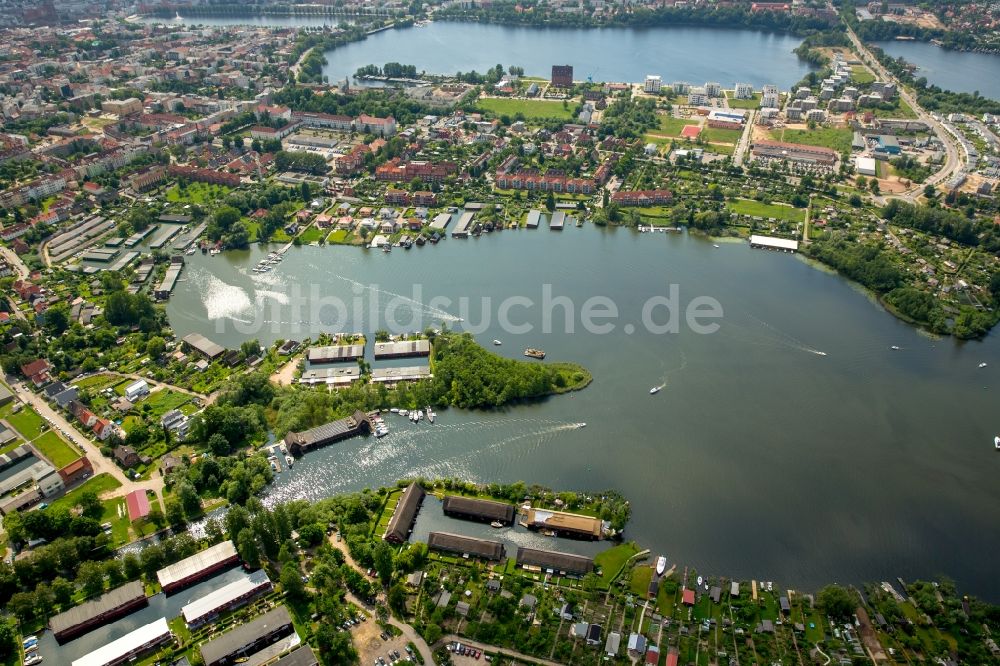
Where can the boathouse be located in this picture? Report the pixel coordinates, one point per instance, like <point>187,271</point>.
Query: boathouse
<point>405,514</point>
<point>486,511</point>
<point>565,524</point>
<point>554,560</point>
<point>104,609</point>
<point>328,433</point>
<point>463,545</point>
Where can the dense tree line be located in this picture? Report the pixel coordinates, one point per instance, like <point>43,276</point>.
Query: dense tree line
<point>628,118</point>
<point>312,163</point>
<point>393,70</point>
<point>936,221</point>
<point>866,263</point>
<point>383,102</point>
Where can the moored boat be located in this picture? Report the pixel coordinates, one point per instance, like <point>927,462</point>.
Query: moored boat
<point>496,524</point>
<point>661,565</point>
<point>290,460</point>
<point>531,352</point>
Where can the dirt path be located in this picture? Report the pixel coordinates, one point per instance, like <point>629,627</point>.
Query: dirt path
<point>285,375</point>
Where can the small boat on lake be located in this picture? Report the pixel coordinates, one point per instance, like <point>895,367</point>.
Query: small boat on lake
<point>496,524</point>
<point>661,565</point>
<point>531,352</point>
<point>715,245</point>
<point>581,424</point>
<point>894,347</point>
<point>996,442</point>
<point>983,364</point>
<point>655,390</point>
<point>497,343</point>
<point>290,460</point>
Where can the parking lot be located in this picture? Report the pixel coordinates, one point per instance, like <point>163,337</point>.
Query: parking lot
<point>375,647</point>
<point>461,654</point>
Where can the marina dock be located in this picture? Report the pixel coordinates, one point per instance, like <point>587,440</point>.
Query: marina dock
<point>534,216</point>
<point>464,225</point>
<point>163,236</point>
<point>169,279</point>
<point>557,221</point>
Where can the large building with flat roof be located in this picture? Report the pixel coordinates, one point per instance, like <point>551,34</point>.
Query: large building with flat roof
<point>565,524</point>
<point>246,639</point>
<point>336,353</point>
<point>227,597</point>
<point>472,508</point>
<point>106,608</point>
<point>398,529</point>
<point>198,566</point>
<point>328,433</point>
<point>554,560</point>
<point>463,545</point>
<point>203,345</point>
<point>129,647</point>
<point>794,152</point>
<point>402,349</point>
<point>304,656</point>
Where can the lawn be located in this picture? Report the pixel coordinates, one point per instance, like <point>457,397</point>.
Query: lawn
<point>162,401</point>
<point>529,108</point>
<point>59,452</point>
<point>98,484</point>
<point>760,209</point>
<point>745,103</point>
<point>721,135</point>
<point>861,75</point>
<point>196,193</point>
<point>312,235</point>
<point>612,560</point>
<point>828,137</point>
<point>27,422</point>
<point>671,126</point>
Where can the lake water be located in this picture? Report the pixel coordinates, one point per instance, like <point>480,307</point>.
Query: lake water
<point>951,70</point>
<point>606,54</point>
<point>759,458</point>
<point>685,53</point>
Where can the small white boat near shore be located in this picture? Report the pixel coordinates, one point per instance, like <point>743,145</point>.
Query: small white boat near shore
<point>661,565</point>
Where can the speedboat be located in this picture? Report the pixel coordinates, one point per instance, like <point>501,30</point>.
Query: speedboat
<point>28,640</point>
<point>700,581</point>
<point>715,245</point>
<point>655,389</point>
<point>996,442</point>
<point>661,565</point>
<point>580,425</point>
<point>290,460</point>
<point>404,412</point>
<point>420,414</point>
<point>430,414</point>
<point>497,343</point>
<point>983,364</point>
<point>394,410</point>
<point>31,648</point>
<point>894,347</point>
<point>496,524</point>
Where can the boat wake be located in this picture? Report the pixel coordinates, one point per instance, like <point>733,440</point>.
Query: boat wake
<point>779,338</point>
<point>422,307</point>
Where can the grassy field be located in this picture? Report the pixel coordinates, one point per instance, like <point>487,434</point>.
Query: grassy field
<point>338,236</point>
<point>530,108</point>
<point>720,135</point>
<point>98,484</point>
<point>59,452</point>
<point>312,235</point>
<point>828,137</point>
<point>160,402</point>
<point>745,103</point>
<point>27,422</point>
<point>671,126</point>
<point>861,75</point>
<point>759,209</point>
<point>196,193</point>
<point>613,559</point>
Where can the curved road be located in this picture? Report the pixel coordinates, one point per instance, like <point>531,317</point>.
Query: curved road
<point>407,631</point>
<point>15,261</point>
<point>952,159</point>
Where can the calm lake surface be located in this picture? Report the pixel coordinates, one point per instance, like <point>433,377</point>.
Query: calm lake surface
<point>951,70</point>
<point>684,53</point>
<point>759,458</point>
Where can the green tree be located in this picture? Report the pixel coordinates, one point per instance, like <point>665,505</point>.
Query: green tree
<point>156,347</point>
<point>90,576</point>
<point>550,202</point>
<point>291,582</point>
<point>383,562</point>
<point>247,546</point>
<point>837,602</point>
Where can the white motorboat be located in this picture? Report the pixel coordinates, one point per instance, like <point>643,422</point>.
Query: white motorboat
<point>983,364</point>
<point>581,424</point>
<point>715,245</point>
<point>28,640</point>
<point>290,460</point>
<point>420,414</point>
<point>403,412</point>
<point>430,414</point>
<point>496,524</point>
<point>661,565</point>
<point>394,410</point>
<point>654,390</point>
<point>894,347</point>
<point>700,581</point>
<point>497,343</point>
<point>996,442</point>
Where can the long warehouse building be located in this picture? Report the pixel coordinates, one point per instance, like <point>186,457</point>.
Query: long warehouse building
<point>108,607</point>
<point>247,639</point>
<point>471,508</point>
<point>398,529</point>
<point>198,566</point>
<point>550,559</point>
<point>129,647</point>
<point>463,545</point>
<point>226,598</point>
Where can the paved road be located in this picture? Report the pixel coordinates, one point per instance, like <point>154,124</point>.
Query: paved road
<point>100,463</point>
<point>952,159</point>
<point>15,261</point>
<point>739,155</point>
